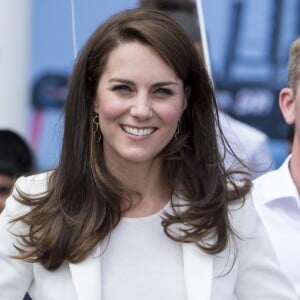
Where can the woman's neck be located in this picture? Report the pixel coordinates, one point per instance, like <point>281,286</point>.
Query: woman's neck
<point>149,180</point>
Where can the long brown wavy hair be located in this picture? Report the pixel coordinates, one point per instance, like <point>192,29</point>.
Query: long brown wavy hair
<point>82,203</point>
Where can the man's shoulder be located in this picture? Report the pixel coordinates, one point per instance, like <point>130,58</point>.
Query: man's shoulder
<point>266,178</point>
<point>268,187</point>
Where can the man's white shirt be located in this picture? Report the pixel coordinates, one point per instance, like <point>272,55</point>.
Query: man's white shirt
<point>277,201</point>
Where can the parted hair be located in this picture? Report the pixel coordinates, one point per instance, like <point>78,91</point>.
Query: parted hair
<point>82,203</point>
<point>293,76</point>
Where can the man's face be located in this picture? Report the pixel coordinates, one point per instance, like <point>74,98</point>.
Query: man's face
<point>297,115</point>
<point>6,183</point>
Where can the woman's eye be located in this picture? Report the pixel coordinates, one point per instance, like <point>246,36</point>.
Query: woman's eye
<point>164,91</point>
<point>121,88</point>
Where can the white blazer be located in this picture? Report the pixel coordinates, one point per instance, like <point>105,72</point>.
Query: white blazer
<point>255,274</point>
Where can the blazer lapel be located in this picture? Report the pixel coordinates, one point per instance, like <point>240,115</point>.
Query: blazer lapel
<point>198,272</point>
<point>86,277</point>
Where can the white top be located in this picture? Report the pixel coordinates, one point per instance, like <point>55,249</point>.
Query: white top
<point>249,144</point>
<point>255,275</point>
<point>141,262</point>
<point>277,201</point>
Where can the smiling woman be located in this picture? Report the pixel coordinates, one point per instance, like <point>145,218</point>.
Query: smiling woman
<point>140,205</point>
<point>139,111</point>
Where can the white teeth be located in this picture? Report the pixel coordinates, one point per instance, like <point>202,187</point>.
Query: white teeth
<point>136,131</point>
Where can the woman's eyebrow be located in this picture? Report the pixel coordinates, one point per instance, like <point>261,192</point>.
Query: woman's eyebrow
<point>120,80</point>
<point>155,85</point>
<point>165,83</point>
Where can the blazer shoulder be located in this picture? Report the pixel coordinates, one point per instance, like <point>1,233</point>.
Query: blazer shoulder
<point>31,185</point>
<point>243,216</point>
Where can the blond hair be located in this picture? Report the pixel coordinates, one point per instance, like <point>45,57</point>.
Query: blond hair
<point>294,66</point>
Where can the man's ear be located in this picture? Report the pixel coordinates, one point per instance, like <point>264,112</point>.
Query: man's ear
<point>287,105</point>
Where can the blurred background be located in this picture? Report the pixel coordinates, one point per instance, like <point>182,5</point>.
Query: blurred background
<point>248,42</point>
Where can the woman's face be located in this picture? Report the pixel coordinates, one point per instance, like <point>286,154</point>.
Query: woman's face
<point>139,101</point>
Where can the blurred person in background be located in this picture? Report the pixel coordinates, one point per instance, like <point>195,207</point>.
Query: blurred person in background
<point>276,194</point>
<point>250,144</point>
<point>16,158</point>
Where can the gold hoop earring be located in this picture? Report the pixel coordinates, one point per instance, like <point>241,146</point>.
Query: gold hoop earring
<point>96,128</point>
<point>177,130</point>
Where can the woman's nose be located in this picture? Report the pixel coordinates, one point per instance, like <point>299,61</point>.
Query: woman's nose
<point>141,107</point>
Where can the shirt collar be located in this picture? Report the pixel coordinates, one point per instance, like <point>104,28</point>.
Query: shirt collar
<point>282,186</point>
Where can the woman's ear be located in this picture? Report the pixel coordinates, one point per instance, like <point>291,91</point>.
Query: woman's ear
<point>96,106</point>
<point>287,105</point>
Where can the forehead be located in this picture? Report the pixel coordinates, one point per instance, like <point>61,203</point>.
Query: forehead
<point>137,58</point>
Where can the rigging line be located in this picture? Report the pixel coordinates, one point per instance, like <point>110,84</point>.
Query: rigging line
<point>203,37</point>
<point>73,28</point>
